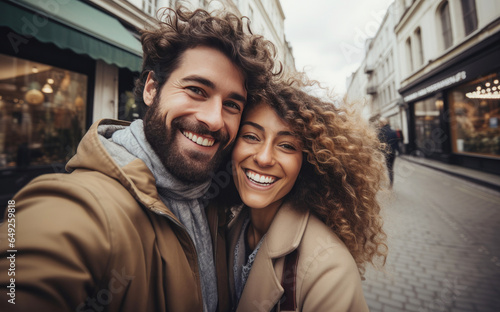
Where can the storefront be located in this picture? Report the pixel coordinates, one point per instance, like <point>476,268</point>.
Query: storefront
<point>54,76</point>
<point>454,111</point>
<point>43,112</point>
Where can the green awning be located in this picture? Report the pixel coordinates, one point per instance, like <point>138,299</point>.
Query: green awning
<point>71,24</point>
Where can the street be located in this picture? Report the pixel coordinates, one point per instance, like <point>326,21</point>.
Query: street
<point>444,251</point>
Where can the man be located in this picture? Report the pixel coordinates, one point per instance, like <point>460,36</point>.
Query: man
<point>390,138</point>
<point>126,230</point>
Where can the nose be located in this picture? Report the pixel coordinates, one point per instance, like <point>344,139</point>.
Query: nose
<point>211,114</point>
<point>264,156</point>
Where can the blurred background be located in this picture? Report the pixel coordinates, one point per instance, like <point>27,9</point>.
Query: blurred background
<point>429,67</point>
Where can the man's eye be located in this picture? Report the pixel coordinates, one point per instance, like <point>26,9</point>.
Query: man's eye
<point>233,105</point>
<point>195,90</point>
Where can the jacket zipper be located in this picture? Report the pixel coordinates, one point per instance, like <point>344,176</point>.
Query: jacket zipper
<point>183,228</point>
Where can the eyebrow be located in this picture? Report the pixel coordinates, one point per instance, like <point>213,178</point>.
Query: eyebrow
<point>256,125</point>
<point>211,85</point>
<point>238,97</point>
<point>199,79</point>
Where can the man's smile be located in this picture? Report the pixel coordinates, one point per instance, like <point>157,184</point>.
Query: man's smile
<point>199,139</point>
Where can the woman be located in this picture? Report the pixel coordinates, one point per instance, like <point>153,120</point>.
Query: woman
<point>307,173</point>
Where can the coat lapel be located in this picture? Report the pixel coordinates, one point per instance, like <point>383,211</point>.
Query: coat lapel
<point>263,288</point>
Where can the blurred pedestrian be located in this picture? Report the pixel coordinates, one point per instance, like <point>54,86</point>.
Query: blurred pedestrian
<point>401,139</point>
<point>391,140</point>
<point>127,229</point>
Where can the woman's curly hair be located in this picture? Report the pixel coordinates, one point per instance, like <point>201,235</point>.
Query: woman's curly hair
<point>180,29</point>
<point>343,168</point>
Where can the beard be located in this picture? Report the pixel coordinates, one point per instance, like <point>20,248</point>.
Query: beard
<point>187,166</point>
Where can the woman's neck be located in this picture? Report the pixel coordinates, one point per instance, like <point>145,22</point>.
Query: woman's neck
<point>260,221</point>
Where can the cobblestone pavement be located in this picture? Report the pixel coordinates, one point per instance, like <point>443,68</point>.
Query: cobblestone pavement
<point>444,251</point>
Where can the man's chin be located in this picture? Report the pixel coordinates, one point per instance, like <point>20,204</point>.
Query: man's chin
<point>191,171</point>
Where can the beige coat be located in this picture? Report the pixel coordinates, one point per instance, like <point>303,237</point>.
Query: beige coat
<point>100,239</point>
<point>327,277</point>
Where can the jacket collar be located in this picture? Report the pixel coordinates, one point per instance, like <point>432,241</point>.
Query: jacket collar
<point>135,176</point>
<point>284,234</point>
<point>286,231</point>
<point>263,288</point>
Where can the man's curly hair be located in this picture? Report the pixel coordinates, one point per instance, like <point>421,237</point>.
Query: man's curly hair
<point>342,171</point>
<point>180,29</point>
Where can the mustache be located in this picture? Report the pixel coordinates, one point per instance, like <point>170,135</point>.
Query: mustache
<point>219,136</point>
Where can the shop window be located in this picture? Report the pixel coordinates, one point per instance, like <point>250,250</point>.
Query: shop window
<point>469,15</point>
<point>128,109</point>
<point>428,133</point>
<point>475,116</point>
<point>444,14</point>
<point>42,113</point>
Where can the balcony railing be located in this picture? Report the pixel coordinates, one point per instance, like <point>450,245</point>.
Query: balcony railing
<point>369,69</point>
<point>371,90</point>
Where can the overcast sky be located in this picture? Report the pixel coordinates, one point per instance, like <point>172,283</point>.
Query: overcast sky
<point>327,36</point>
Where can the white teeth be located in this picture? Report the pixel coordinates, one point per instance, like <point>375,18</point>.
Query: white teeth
<point>255,177</point>
<point>198,139</point>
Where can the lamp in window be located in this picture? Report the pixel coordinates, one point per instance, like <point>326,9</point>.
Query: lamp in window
<point>47,88</point>
<point>33,96</point>
<point>439,104</point>
<point>488,91</point>
<point>79,102</point>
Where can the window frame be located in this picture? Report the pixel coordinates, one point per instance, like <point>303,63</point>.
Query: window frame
<point>469,16</point>
<point>446,26</point>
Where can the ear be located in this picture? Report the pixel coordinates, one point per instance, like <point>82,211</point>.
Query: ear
<point>149,92</point>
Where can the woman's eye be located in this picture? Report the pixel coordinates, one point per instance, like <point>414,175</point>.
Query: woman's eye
<point>288,147</point>
<point>250,137</point>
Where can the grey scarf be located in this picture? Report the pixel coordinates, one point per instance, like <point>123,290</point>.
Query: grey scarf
<point>184,200</point>
<point>243,265</point>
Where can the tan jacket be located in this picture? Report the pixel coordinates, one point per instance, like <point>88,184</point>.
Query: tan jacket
<point>327,277</point>
<point>100,239</point>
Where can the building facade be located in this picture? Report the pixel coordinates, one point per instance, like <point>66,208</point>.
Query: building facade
<point>69,63</point>
<point>381,68</point>
<point>449,67</point>
<point>354,83</point>
<point>267,19</point>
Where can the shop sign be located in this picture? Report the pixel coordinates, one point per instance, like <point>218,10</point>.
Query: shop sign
<point>437,86</point>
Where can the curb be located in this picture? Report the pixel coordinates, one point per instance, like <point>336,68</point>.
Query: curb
<point>469,178</point>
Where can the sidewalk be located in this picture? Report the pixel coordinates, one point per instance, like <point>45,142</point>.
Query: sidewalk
<point>482,178</point>
<point>442,238</point>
